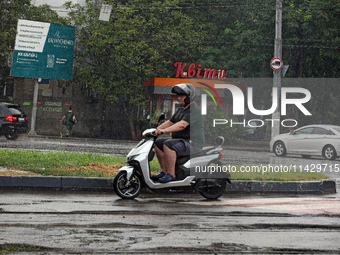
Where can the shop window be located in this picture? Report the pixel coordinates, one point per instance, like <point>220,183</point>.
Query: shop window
<point>163,103</point>
<point>166,108</point>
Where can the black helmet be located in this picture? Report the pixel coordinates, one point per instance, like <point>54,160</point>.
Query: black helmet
<point>184,89</point>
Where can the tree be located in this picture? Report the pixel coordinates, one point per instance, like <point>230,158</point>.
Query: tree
<point>311,38</point>
<point>10,12</point>
<point>141,41</point>
<point>311,48</point>
<point>240,38</point>
<point>241,42</point>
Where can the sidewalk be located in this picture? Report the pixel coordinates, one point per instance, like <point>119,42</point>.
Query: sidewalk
<point>243,144</point>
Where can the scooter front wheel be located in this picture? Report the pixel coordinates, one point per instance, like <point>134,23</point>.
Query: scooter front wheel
<point>125,188</point>
<point>212,188</point>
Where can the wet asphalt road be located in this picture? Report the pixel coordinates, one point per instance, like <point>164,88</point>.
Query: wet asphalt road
<point>42,143</point>
<point>101,223</point>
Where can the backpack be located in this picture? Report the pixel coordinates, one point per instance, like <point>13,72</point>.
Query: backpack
<point>72,119</point>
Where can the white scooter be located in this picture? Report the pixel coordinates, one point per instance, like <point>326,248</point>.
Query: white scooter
<point>190,171</point>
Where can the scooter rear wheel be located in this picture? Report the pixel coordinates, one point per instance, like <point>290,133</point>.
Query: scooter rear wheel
<point>125,188</point>
<point>210,191</point>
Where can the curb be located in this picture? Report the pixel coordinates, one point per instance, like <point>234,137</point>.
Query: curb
<point>106,184</point>
<point>56,183</point>
<point>288,187</point>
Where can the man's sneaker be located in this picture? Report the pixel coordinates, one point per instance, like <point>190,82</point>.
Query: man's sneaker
<point>167,178</point>
<point>157,176</point>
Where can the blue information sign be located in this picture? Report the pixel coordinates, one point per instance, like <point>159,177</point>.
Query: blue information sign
<point>43,50</point>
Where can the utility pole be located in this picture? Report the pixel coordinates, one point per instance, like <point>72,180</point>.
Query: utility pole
<point>277,73</point>
<point>34,108</point>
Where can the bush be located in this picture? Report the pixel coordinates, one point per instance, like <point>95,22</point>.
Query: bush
<point>231,134</point>
<point>144,123</point>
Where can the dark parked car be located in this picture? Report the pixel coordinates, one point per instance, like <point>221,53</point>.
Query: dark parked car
<point>13,121</point>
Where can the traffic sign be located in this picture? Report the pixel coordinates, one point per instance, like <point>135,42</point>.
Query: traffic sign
<point>276,63</point>
<point>43,50</point>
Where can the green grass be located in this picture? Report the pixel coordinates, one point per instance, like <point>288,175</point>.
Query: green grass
<point>31,160</point>
<point>18,248</point>
<point>45,163</point>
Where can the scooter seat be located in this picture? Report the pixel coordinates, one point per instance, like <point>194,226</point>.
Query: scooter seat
<point>204,151</point>
<point>182,160</point>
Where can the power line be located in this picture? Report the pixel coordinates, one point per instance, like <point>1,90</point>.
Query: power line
<point>258,7</point>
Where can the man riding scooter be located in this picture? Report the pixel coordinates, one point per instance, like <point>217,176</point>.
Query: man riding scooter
<point>186,127</point>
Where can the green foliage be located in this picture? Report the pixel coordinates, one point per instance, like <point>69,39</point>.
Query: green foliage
<point>144,39</point>
<point>18,248</point>
<point>324,105</point>
<point>311,38</point>
<point>137,44</point>
<point>230,134</point>
<point>115,58</point>
<point>154,118</point>
<point>145,123</point>
<point>45,163</point>
<point>241,37</point>
<point>242,34</point>
<point>36,161</point>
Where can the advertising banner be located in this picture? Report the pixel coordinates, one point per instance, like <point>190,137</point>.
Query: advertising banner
<point>43,50</point>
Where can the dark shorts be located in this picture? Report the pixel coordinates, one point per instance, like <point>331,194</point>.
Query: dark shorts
<point>181,146</point>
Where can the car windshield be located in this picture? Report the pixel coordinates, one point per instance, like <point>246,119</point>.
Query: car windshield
<point>337,129</point>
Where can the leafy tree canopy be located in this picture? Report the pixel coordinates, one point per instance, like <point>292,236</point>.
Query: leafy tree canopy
<point>241,36</point>
<point>140,41</point>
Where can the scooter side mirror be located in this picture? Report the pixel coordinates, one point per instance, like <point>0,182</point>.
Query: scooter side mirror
<point>161,117</point>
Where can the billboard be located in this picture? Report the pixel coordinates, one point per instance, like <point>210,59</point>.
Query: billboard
<point>43,50</point>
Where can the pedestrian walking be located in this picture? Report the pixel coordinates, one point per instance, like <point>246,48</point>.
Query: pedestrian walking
<point>69,119</point>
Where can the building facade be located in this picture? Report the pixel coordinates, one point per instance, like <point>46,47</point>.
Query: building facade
<point>99,119</point>
<point>96,118</point>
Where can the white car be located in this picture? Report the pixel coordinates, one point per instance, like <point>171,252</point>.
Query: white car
<point>317,140</point>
